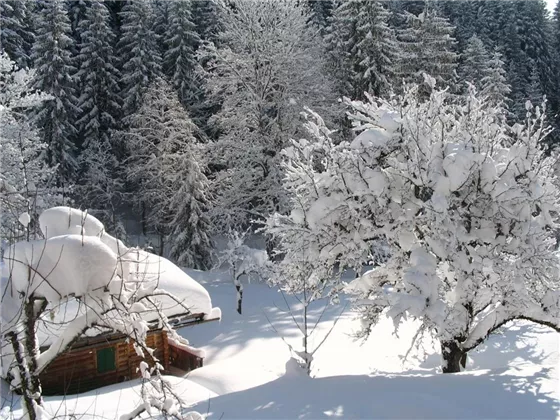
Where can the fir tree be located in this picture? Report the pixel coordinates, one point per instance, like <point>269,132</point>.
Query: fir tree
<point>494,85</point>
<point>556,40</point>
<point>179,61</point>
<point>169,183</point>
<point>115,8</point>
<point>534,90</point>
<point>320,13</point>
<point>414,7</point>
<point>428,46</point>
<point>99,100</point>
<point>475,63</point>
<point>138,51</point>
<point>366,47</point>
<point>160,23</point>
<point>16,35</point>
<point>99,103</point>
<point>54,76</point>
<point>190,227</point>
<point>206,17</point>
<point>463,15</point>
<point>77,10</point>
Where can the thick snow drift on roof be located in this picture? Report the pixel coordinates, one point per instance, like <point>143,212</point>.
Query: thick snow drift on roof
<point>78,258</point>
<point>161,273</point>
<point>62,220</point>
<point>60,266</point>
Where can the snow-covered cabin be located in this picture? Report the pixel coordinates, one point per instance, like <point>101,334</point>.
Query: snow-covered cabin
<point>79,258</point>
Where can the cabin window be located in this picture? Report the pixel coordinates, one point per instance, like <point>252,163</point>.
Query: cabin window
<point>106,360</point>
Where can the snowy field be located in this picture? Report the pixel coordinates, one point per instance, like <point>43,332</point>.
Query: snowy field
<point>248,373</point>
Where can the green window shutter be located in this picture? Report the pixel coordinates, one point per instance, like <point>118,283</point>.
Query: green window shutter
<point>106,360</point>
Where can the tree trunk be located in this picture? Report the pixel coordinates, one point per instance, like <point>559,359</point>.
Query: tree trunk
<point>29,406</point>
<point>454,358</point>
<point>239,288</point>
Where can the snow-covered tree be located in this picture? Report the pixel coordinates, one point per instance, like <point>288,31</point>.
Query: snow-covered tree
<point>101,184</point>
<point>77,10</point>
<point>81,279</point>
<point>322,11</point>
<point>99,104</point>
<point>54,75</point>
<point>362,48</point>
<point>138,51</point>
<point>428,46</point>
<point>16,36</point>
<point>267,66</point>
<point>206,17</point>
<point>400,8</point>
<point>464,201</point>
<point>494,85</point>
<point>167,176</point>
<point>190,227</point>
<point>555,98</point>
<point>179,60</point>
<point>98,74</point>
<point>243,261</point>
<point>26,180</point>
<point>309,257</point>
<point>475,63</point>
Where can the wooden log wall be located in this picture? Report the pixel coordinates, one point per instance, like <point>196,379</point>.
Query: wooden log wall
<point>183,360</point>
<point>76,370</point>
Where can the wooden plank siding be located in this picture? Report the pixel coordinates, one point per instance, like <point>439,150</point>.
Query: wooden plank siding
<point>76,370</point>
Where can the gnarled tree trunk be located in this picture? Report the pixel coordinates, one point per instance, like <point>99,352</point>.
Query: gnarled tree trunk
<point>454,357</point>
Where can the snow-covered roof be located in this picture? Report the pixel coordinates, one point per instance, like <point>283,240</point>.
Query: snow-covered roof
<point>76,258</point>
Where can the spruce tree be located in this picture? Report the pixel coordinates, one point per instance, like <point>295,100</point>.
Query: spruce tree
<point>164,166</point>
<point>494,85</point>
<point>532,26</point>
<point>16,36</point>
<point>99,103</point>
<point>190,227</point>
<point>556,42</point>
<point>321,13</point>
<point>475,64</point>
<point>160,23</point>
<point>414,7</point>
<point>54,75</point>
<point>99,100</point>
<point>77,10</point>
<point>363,47</point>
<point>181,41</point>
<point>138,51</point>
<point>115,8</point>
<point>207,20</point>
<point>428,46</point>
<point>464,16</point>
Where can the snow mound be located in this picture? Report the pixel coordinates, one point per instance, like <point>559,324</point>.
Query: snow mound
<point>78,258</point>
<point>60,266</point>
<point>63,220</point>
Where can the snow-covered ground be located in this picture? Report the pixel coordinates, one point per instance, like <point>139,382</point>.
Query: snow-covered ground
<point>248,373</point>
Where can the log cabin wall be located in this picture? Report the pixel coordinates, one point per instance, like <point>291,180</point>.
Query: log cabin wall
<point>183,359</point>
<point>95,362</point>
